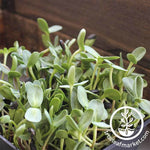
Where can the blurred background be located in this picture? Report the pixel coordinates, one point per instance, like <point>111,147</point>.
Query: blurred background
<point>120,25</point>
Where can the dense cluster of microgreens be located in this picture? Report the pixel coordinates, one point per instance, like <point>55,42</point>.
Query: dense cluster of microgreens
<point>69,98</point>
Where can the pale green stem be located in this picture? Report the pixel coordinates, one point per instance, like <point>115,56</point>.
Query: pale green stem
<point>61,144</point>
<point>79,136</point>
<point>97,78</point>
<point>32,74</point>
<point>21,105</point>
<point>113,106</point>
<point>18,83</point>
<point>47,140</point>
<point>110,78</point>
<point>44,52</point>
<point>88,143</point>
<point>71,88</point>
<point>100,136</point>
<point>54,146</point>
<point>73,55</point>
<point>11,121</point>
<point>129,67</point>
<point>94,136</point>
<point>147,117</point>
<point>5,112</point>
<point>51,78</point>
<point>4,82</point>
<point>87,138</point>
<point>22,122</point>
<point>26,145</point>
<point>47,133</point>
<point>15,141</point>
<point>121,103</point>
<point>121,86</point>
<point>93,75</point>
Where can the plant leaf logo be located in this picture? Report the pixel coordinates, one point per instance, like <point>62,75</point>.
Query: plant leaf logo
<point>126,130</point>
<point>126,124</point>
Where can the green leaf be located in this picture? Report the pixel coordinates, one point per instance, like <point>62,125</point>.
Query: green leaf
<point>45,39</point>
<point>128,84</point>
<point>19,115</point>
<point>145,105</point>
<point>81,38</point>
<point>71,76</point>
<point>139,53</point>
<point>69,142</point>
<point>101,124</point>
<point>5,119</point>
<point>118,67</point>
<point>81,83</point>
<point>33,59</point>
<point>86,119</point>
<point>56,102</point>
<point>43,25</point>
<point>20,130</point>
<point>34,94</point>
<point>47,116</point>
<point>53,51</point>
<point>86,60</point>
<point>78,73</point>
<point>111,57</point>
<point>15,92</point>
<point>25,56</point>
<point>56,40</point>
<point>104,65</point>
<point>71,123</point>
<point>4,68</point>
<point>33,115</point>
<point>135,115</point>
<point>100,112</point>
<point>91,51</point>
<point>6,92</point>
<point>89,42</point>
<point>76,113</point>
<point>145,84</point>
<point>71,43</point>
<point>14,74</point>
<point>59,68</point>
<point>106,84</point>
<point>16,44</point>
<point>112,94</point>
<point>54,28</point>
<point>138,87</point>
<point>12,49</point>
<point>113,65</point>
<point>61,134</point>
<point>132,58</point>
<point>74,100</point>
<point>60,119</point>
<point>14,63</point>
<point>82,96</point>
<point>136,55</point>
<point>65,86</point>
